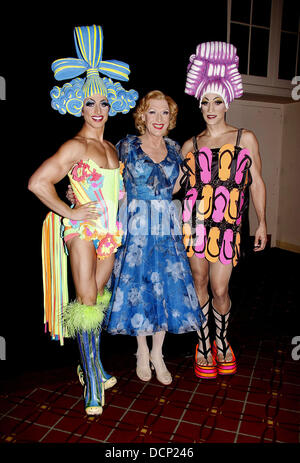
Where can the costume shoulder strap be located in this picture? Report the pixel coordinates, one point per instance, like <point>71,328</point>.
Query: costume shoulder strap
<point>238,137</point>
<point>195,144</point>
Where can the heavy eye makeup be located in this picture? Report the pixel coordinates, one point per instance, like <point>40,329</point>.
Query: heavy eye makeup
<point>89,103</point>
<point>104,104</point>
<point>217,101</point>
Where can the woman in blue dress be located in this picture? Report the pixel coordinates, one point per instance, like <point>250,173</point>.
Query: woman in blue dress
<point>152,285</point>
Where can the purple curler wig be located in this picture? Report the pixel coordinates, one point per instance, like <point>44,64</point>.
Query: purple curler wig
<point>214,69</point>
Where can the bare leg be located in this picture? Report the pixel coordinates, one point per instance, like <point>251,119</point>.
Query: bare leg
<point>157,343</point>
<point>156,358</point>
<point>143,370</point>
<point>104,268</point>
<point>142,345</point>
<point>219,280</point>
<point>83,266</point>
<point>200,272</point>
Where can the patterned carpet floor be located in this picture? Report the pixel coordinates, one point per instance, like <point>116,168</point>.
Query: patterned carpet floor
<point>42,402</point>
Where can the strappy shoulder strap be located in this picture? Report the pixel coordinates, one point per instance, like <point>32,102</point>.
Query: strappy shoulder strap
<point>238,137</point>
<point>195,144</point>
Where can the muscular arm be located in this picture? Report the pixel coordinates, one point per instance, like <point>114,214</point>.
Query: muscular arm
<point>257,189</point>
<point>42,182</point>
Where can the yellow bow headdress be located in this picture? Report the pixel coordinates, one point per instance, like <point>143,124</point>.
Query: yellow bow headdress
<point>89,47</point>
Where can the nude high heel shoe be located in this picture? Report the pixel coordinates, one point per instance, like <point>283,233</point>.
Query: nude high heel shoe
<point>143,370</point>
<point>162,373</point>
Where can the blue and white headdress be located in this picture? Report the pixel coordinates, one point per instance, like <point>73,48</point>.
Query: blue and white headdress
<point>70,97</point>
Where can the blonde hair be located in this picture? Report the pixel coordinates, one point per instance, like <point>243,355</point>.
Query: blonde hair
<point>144,105</point>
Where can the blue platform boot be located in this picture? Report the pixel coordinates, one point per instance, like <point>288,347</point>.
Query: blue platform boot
<point>84,323</point>
<point>109,380</point>
<point>88,343</point>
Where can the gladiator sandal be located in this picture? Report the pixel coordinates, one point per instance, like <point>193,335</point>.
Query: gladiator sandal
<point>109,380</point>
<point>203,347</point>
<point>84,323</point>
<point>223,346</point>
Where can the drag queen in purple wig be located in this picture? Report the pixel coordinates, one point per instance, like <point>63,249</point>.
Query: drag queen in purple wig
<point>221,164</point>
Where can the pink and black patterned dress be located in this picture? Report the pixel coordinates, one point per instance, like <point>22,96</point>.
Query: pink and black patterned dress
<point>215,182</point>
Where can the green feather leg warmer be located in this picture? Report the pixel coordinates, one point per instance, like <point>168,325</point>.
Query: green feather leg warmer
<point>80,317</point>
<point>105,298</point>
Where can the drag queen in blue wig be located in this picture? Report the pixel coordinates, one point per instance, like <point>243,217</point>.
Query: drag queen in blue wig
<point>89,232</point>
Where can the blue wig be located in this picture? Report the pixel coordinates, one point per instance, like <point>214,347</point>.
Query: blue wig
<point>69,98</point>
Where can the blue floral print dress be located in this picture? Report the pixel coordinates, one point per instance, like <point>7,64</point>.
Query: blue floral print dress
<point>152,285</point>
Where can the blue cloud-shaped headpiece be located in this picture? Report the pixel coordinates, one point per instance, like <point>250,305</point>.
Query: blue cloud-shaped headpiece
<point>89,47</point>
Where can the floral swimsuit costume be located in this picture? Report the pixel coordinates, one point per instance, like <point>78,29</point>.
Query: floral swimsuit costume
<point>93,183</point>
